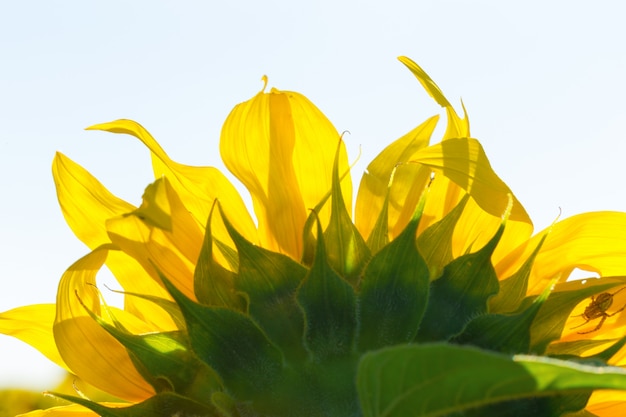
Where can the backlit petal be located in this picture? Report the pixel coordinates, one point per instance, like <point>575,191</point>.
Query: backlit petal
<point>87,349</point>
<point>33,324</point>
<point>408,182</point>
<point>197,187</point>
<point>73,410</point>
<point>281,147</point>
<point>594,242</point>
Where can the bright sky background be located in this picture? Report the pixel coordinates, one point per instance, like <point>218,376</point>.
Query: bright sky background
<point>543,83</point>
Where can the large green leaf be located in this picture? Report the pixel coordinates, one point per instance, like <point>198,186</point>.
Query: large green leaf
<point>270,280</point>
<point>439,379</point>
<point>460,294</point>
<point>394,292</point>
<point>166,404</point>
<point>329,306</point>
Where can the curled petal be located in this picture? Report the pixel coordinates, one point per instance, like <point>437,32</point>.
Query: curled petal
<point>86,204</point>
<point>464,162</point>
<point>594,242</point>
<point>197,187</point>
<point>86,348</point>
<point>281,147</point>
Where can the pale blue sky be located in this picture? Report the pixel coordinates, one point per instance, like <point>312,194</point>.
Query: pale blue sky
<point>543,83</point>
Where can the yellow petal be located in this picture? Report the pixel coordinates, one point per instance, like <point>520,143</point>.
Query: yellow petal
<point>464,162</point>
<point>456,127</point>
<point>33,325</point>
<point>281,147</point>
<point>197,187</point>
<point>87,349</point>
<point>607,403</point>
<point>594,242</point>
<point>173,252</point>
<point>86,204</point>
<point>73,410</point>
<point>408,182</point>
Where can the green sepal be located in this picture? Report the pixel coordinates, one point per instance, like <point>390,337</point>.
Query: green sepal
<point>435,243</point>
<point>329,306</point>
<point>232,344</point>
<point>168,306</point>
<point>270,281</point>
<point>504,333</point>
<point>460,294</point>
<point>165,404</point>
<point>347,252</point>
<point>213,284</point>
<point>513,289</point>
<point>394,291</point>
<point>441,379</point>
<point>554,313</point>
<point>164,359</point>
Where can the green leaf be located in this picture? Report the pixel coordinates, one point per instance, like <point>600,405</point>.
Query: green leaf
<point>347,251</point>
<point>435,243</point>
<point>513,289</point>
<point>232,344</point>
<point>504,333</point>
<point>460,294</point>
<point>166,404</point>
<point>270,281</point>
<point>439,379</point>
<point>394,292</point>
<point>554,313</point>
<point>214,284</point>
<point>329,306</point>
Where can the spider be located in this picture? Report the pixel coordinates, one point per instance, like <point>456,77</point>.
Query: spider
<point>597,308</point>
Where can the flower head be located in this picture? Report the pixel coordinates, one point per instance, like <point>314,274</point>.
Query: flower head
<point>308,309</point>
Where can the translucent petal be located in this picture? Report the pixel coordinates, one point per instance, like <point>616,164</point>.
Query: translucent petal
<point>607,403</point>
<point>87,349</point>
<point>161,234</point>
<point>594,242</point>
<point>197,187</point>
<point>86,206</point>
<point>464,162</point>
<point>281,147</point>
<point>408,182</point>
<point>33,325</point>
<point>73,410</point>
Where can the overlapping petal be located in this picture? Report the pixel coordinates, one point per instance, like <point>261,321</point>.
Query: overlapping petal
<point>281,147</point>
<point>197,187</point>
<point>594,242</point>
<point>86,348</point>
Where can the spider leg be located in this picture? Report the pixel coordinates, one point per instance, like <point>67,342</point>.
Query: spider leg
<point>600,323</point>
<point>580,325</point>
<point>618,311</point>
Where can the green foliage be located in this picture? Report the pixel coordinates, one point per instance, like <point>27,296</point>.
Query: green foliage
<point>440,379</point>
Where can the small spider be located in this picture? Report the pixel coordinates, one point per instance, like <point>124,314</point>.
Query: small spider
<point>597,308</point>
